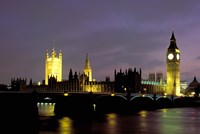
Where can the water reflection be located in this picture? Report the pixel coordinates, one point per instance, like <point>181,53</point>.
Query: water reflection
<point>111,126</point>
<point>162,121</point>
<point>180,120</point>
<point>143,113</point>
<point>65,124</point>
<point>143,121</point>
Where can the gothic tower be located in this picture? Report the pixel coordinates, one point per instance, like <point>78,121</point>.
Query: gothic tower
<point>53,66</point>
<point>173,68</point>
<point>88,70</point>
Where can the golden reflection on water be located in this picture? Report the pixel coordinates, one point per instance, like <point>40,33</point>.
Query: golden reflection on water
<point>165,121</point>
<point>164,110</point>
<point>143,113</point>
<point>112,119</point>
<point>143,121</point>
<point>65,125</point>
<point>112,123</point>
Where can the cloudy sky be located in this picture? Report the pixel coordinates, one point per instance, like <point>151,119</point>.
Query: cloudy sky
<point>115,33</point>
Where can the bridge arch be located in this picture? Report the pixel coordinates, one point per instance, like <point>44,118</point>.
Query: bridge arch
<point>139,102</point>
<point>71,105</point>
<point>164,102</point>
<point>177,97</point>
<point>183,101</point>
<point>108,103</point>
<point>120,96</point>
<point>141,96</point>
<point>165,97</point>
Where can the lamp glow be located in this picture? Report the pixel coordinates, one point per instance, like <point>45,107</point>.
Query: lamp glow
<point>66,94</point>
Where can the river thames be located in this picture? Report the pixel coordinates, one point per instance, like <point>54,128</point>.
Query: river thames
<point>161,121</point>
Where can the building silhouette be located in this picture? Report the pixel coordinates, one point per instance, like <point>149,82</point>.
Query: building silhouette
<point>152,77</point>
<point>18,84</point>
<point>173,68</point>
<point>3,87</point>
<point>128,81</point>
<point>192,86</point>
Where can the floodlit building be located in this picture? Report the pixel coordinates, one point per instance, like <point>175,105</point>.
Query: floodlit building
<point>173,68</point>
<point>129,80</point>
<point>88,70</point>
<point>53,66</point>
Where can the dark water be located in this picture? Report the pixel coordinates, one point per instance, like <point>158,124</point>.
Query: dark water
<point>162,121</point>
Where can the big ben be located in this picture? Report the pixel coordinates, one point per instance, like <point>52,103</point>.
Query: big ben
<point>173,68</point>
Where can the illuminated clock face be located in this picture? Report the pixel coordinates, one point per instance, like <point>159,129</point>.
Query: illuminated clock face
<point>170,56</point>
<point>177,56</point>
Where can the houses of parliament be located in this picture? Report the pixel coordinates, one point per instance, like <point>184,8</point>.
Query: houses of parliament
<point>128,80</point>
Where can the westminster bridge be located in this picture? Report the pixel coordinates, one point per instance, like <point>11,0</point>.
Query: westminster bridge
<point>20,109</point>
<point>76,102</point>
<point>82,103</point>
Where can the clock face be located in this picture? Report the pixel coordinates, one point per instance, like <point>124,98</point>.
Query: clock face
<point>177,56</point>
<point>170,56</point>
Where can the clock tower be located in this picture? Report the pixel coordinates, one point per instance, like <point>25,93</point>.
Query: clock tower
<point>173,68</point>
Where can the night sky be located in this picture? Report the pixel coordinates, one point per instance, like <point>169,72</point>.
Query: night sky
<point>115,33</point>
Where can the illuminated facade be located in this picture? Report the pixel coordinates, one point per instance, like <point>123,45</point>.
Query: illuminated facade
<point>154,84</point>
<point>75,83</point>
<point>173,68</point>
<point>88,70</point>
<point>127,81</point>
<point>53,66</point>
<point>153,87</point>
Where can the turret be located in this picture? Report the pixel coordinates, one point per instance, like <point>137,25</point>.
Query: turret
<point>60,55</point>
<point>47,54</point>
<point>70,75</point>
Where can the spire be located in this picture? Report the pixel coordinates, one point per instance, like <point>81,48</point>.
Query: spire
<point>173,42</point>
<point>54,43</point>
<point>87,62</point>
<point>47,54</point>
<point>87,69</point>
<point>173,37</point>
<point>70,75</point>
<point>195,79</point>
